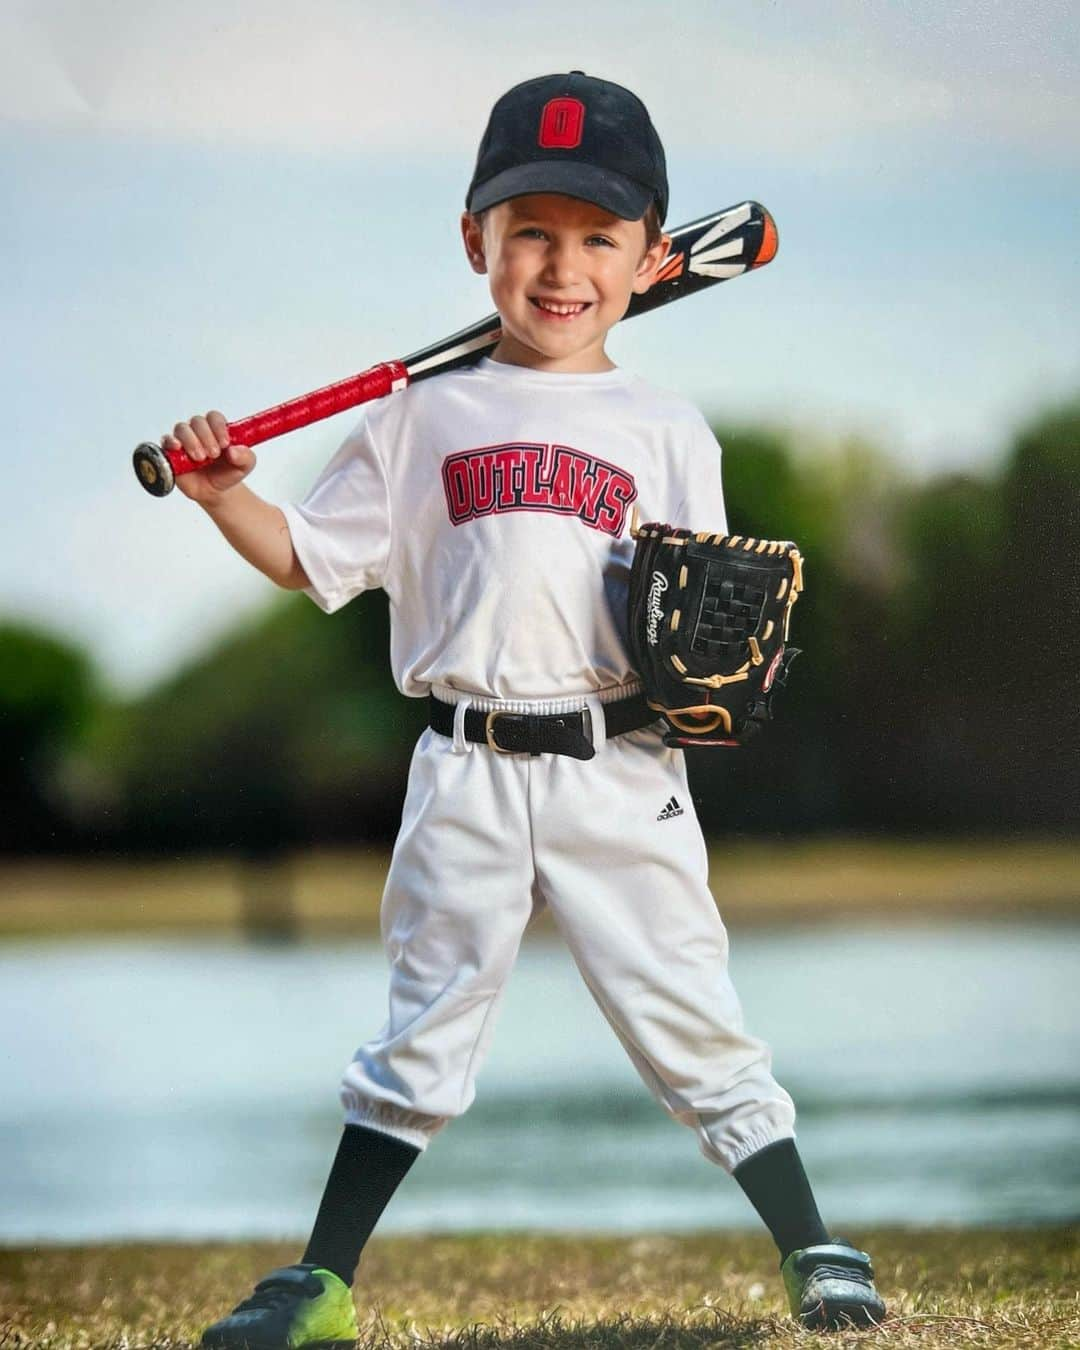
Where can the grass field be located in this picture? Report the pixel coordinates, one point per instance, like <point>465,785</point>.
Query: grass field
<point>755,883</point>
<point>943,1288</point>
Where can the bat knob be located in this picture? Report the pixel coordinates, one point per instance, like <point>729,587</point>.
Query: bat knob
<point>153,470</point>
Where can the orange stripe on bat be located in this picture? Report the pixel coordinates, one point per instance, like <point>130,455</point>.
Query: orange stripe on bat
<point>672,268</point>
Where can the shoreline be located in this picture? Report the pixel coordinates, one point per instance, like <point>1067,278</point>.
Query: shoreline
<point>757,884</point>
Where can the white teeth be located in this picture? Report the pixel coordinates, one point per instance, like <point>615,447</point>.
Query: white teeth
<point>556,308</point>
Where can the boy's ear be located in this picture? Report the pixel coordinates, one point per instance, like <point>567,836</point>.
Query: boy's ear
<point>472,235</point>
<point>650,264</point>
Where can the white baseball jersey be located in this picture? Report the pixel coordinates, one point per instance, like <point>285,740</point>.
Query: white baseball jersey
<point>493,505</point>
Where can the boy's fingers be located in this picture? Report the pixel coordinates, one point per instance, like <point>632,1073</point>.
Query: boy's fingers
<point>201,427</point>
<point>189,441</point>
<point>240,456</point>
<point>219,426</point>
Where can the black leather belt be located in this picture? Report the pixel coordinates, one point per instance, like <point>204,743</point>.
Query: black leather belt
<point>512,733</point>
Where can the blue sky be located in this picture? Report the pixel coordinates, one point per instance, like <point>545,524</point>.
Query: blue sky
<point>222,206</point>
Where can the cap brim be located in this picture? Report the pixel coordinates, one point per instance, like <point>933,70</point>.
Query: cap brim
<point>613,192</point>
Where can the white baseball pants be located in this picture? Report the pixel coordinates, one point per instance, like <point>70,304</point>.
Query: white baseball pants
<point>488,838</point>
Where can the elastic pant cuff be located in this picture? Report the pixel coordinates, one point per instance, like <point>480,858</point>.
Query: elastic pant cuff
<point>411,1127</point>
<point>729,1159</point>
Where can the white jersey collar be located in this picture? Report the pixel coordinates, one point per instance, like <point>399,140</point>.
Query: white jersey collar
<point>594,379</point>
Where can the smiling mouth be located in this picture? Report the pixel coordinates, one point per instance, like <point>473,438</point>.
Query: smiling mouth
<point>559,309</point>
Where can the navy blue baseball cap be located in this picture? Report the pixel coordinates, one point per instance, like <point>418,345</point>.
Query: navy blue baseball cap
<point>575,135</point>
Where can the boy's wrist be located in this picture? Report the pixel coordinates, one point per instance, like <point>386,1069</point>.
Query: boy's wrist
<point>221,500</point>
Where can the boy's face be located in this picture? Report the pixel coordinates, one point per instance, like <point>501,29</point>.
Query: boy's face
<point>561,272</point>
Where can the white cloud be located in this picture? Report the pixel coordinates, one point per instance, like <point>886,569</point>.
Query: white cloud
<point>415,75</point>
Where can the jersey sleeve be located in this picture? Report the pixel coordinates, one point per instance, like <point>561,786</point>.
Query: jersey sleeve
<point>341,530</point>
<point>702,506</point>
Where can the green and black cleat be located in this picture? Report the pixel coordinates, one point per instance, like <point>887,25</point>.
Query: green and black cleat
<point>296,1306</point>
<point>831,1286</point>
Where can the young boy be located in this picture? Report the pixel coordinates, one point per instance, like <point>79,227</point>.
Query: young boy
<point>542,778</point>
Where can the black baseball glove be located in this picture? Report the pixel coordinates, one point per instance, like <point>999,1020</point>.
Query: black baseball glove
<point>708,623</point>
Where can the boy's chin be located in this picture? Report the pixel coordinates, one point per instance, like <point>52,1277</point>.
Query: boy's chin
<point>565,354</point>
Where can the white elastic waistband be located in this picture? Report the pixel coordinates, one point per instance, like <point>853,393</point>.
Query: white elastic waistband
<point>543,706</point>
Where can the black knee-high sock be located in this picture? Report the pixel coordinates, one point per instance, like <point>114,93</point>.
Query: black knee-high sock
<point>367,1171</point>
<point>777,1186</point>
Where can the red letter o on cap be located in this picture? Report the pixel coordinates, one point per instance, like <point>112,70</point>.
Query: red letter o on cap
<point>561,124</point>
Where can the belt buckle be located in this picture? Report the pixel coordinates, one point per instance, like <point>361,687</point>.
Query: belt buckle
<point>489,731</point>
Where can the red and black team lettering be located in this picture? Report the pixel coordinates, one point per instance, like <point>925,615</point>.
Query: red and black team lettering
<point>552,478</point>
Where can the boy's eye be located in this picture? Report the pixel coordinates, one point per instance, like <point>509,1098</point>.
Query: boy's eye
<point>536,232</point>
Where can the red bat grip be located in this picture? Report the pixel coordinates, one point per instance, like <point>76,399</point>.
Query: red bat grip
<point>380,380</point>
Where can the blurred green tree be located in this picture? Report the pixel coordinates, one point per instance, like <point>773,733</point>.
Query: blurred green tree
<point>990,705</point>
<point>945,771</point>
<point>1035,625</point>
<point>290,732</point>
<point>48,696</point>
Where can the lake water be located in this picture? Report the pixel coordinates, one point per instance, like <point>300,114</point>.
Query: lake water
<point>188,1089</point>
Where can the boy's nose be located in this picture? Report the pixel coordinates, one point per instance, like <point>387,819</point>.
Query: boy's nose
<point>560,265</point>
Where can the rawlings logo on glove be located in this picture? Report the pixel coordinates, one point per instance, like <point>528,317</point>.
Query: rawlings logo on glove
<point>708,622</point>
<point>655,612</point>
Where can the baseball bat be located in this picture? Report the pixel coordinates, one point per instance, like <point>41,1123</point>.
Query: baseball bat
<point>703,253</point>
